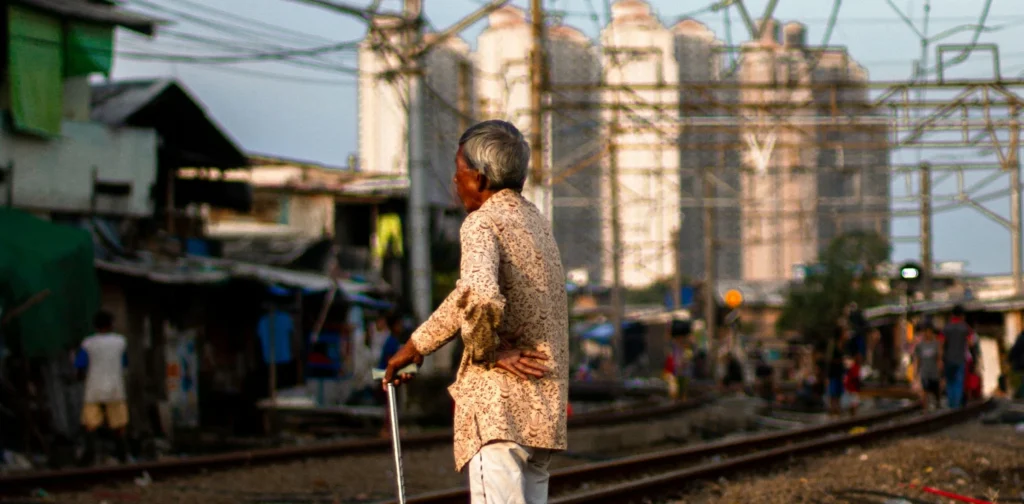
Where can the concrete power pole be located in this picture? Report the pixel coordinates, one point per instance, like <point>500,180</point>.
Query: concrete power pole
<point>677,270</point>
<point>538,81</point>
<point>926,230</point>
<point>1013,165</point>
<point>616,225</point>
<point>710,287</point>
<point>419,207</point>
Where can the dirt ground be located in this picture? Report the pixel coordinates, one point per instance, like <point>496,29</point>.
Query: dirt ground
<point>984,462</point>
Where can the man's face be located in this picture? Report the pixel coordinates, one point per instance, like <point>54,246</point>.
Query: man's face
<point>469,183</point>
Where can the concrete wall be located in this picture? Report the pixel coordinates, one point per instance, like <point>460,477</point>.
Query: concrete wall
<point>311,215</point>
<point>56,174</point>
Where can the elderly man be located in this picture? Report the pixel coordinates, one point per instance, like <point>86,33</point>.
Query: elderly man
<point>511,390</point>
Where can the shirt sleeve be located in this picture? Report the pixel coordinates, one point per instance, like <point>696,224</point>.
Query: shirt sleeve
<point>81,359</point>
<point>476,306</point>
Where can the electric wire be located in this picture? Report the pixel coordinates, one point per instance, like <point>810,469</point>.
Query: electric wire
<point>246,58</point>
<point>317,61</point>
<point>271,29</point>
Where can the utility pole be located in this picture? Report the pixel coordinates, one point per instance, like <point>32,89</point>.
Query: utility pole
<point>613,177</point>
<point>710,294</point>
<point>1013,165</point>
<point>419,207</point>
<point>465,89</point>
<point>926,230</point>
<point>538,81</point>
<point>677,271</point>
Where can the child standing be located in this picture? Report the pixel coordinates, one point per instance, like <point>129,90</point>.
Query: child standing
<point>928,363</point>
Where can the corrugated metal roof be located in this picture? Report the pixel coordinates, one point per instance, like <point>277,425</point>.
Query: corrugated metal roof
<point>208,271</point>
<point>992,306</point>
<point>180,119</point>
<point>157,274</point>
<point>96,12</point>
<point>113,103</point>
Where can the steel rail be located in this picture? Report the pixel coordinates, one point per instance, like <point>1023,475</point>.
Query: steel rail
<point>567,479</point>
<point>16,484</point>
<point>669,482</point>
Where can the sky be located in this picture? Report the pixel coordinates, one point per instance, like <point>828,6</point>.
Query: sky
<point>306,113</point>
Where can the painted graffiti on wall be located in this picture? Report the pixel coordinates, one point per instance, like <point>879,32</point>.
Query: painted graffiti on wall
<point>182,377</point>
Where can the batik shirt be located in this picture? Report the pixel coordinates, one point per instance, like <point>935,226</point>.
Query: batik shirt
<point>511,294</point>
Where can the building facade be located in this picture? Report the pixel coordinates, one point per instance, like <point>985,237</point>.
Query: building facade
<point>703,116</point>
<point>641,124</point>
<point>53,157</point>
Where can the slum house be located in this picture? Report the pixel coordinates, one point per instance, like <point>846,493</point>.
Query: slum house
<point>315,218</point>
<point>208,289</point>
<point>160,303</point>
<point>57,164</point>
<point>307,212</point>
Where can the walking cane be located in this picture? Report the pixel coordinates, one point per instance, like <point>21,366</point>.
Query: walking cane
<point>396,443</point>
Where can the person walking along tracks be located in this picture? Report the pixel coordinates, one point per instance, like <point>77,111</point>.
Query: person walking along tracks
<point>957,334</point>
<point>511,389</point>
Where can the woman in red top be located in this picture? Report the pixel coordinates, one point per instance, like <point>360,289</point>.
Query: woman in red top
<point>851,382</point>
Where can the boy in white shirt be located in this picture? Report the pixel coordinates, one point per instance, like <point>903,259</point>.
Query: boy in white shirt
<point>102,356</point>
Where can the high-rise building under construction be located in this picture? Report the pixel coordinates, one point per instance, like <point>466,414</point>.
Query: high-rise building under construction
<point>801,185</point>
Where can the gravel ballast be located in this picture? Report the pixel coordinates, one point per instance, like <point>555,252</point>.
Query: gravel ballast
<point>979,461</point>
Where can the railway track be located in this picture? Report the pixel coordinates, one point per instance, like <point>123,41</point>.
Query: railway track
<point>643,476</point>
<point>18,484</point>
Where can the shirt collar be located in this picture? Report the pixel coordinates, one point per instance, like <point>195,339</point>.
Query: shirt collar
<point>501,198</point>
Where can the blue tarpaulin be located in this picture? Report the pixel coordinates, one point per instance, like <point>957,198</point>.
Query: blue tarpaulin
<point>354,298</point>
<point>602,333</point>
<point>685,297</point>
<point>282,332</point>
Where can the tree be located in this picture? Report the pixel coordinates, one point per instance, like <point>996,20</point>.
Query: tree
<point>847,272</point>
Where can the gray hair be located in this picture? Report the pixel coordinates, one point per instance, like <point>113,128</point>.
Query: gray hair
<point>497,150</point>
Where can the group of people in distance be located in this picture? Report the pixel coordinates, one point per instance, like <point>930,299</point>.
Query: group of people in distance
<point>947,359</point>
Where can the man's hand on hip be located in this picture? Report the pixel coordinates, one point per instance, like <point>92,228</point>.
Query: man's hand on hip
<point>406,355</point>
<point>526,364</point>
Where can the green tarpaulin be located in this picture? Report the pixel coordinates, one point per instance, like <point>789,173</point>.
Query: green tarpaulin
<point>89,49</point>
<point>35,256</point>
<point>35,71</point>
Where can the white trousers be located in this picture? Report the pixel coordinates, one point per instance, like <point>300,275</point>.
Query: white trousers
<point>504,472</point>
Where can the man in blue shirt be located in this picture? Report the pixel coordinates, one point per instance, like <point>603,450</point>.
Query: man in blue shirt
<point>391,346</point>
<point>391,342</point>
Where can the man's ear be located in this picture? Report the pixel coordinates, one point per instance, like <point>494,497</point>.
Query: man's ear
<point>481,182</point>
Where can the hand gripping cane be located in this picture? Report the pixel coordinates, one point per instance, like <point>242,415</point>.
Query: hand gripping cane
<point>396,443</point>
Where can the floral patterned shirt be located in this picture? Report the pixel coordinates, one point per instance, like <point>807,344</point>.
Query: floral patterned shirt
<point>511,294</point>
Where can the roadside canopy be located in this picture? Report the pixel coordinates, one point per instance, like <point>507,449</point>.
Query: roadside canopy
<point>51,266</point>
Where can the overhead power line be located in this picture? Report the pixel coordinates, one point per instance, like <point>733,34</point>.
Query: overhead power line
<point>259,37</point>
<point>272,29</point>
<point>247,58</point>
<point>259,74</point>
